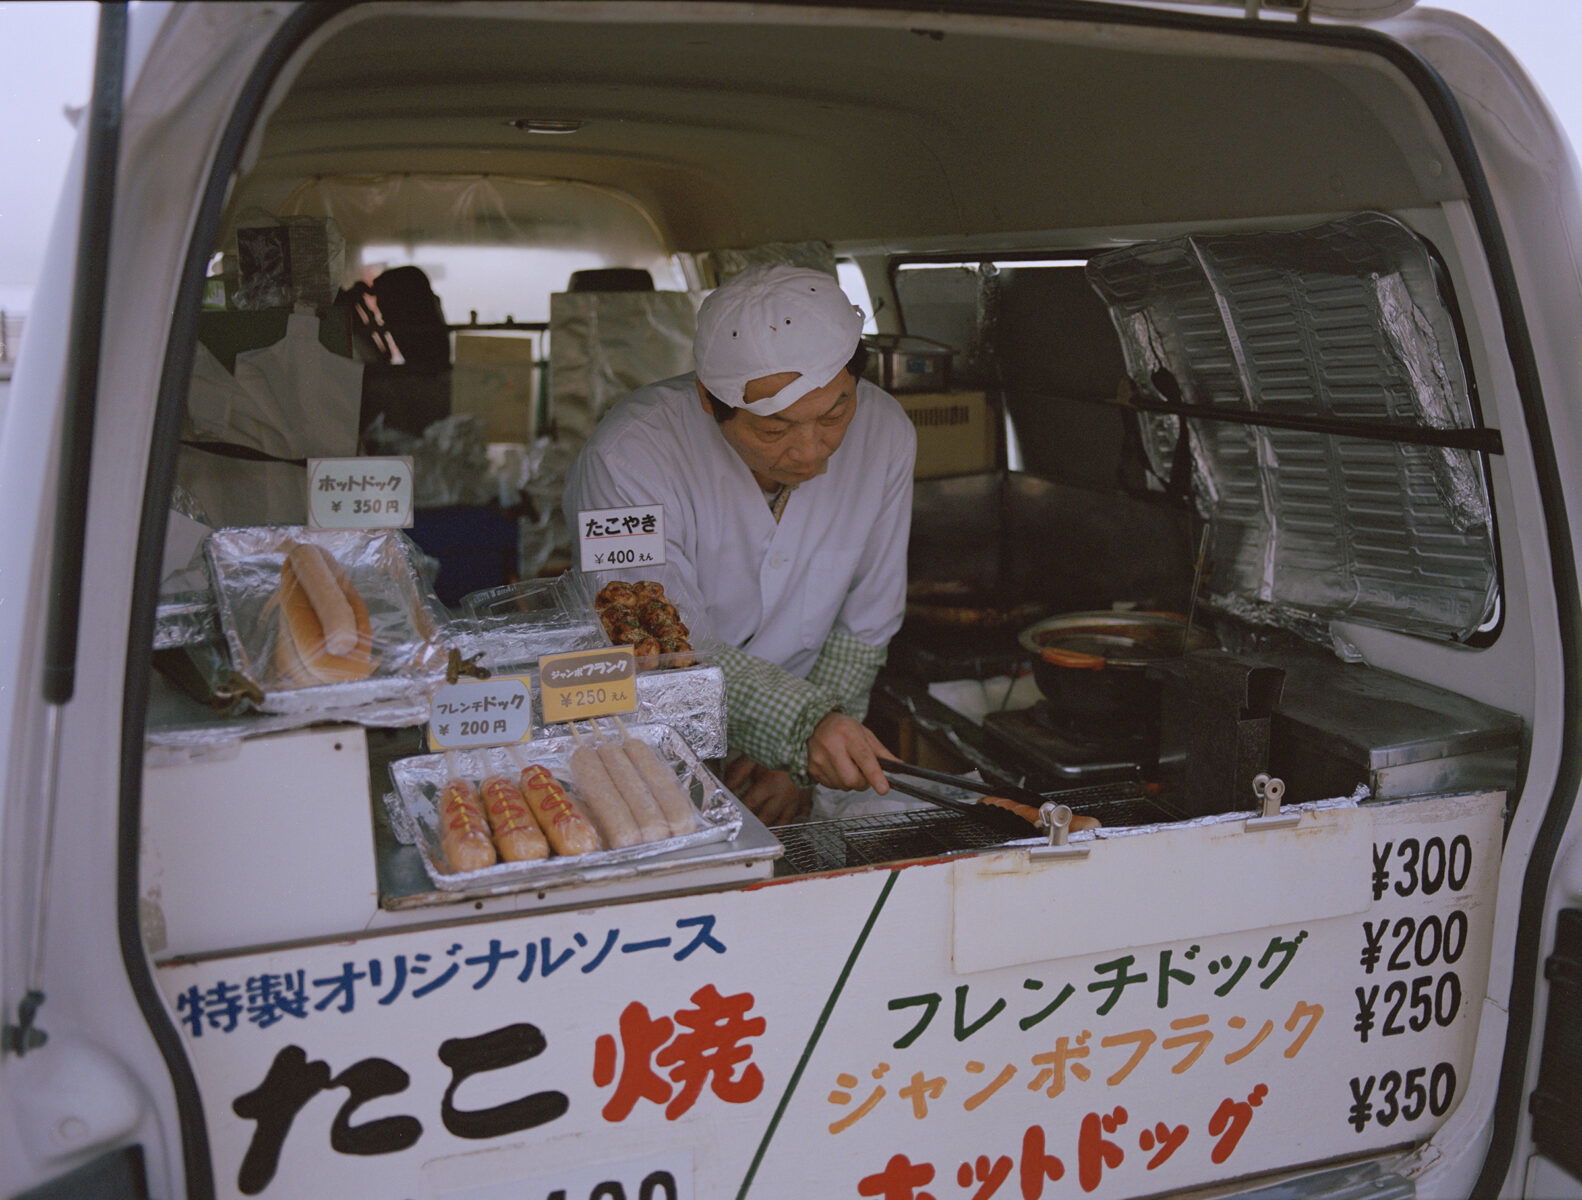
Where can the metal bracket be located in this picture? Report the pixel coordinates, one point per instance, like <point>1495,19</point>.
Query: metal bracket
<point>457,666</point>
<point>1270,792</point>
<point>18,1039</point>
<point>1057,819</point>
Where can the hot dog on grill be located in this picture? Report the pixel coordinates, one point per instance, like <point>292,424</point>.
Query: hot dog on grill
<point>1079,821</point>
<point>516,834</point>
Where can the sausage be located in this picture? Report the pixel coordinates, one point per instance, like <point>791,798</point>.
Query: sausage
<point>603,798</point>
<point>651,822</point>
<point>1079,821</point>
<point>569,832</point>
<point>516,834</point>
<point>464,830</point>
<point>663,786</point>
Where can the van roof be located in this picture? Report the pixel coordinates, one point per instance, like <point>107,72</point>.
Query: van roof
<point>856,125</point>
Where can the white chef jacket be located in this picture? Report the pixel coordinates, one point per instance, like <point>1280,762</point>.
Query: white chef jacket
<point>837,554</point>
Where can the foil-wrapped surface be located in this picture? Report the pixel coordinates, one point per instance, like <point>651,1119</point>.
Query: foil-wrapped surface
<point>406,620</point>
<point>414,814</point>
<point>185,619</point>
<point>1346,320</point>
<point>511,628</point>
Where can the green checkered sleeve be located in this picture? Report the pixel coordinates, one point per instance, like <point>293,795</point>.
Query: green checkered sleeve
<point>770,713</point>
<point>847,665</point>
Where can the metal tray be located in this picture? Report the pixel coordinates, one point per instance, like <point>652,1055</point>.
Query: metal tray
<point>406,620</point>
<point>418,782</point>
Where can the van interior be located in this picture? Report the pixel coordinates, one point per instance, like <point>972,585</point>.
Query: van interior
<point>1195,348</point>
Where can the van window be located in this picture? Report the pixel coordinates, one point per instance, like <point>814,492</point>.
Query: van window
<point>492,284</point>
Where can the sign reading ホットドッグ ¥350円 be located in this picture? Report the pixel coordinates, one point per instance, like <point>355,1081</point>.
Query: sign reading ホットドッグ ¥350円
<point>907,1032</point>
<point>360,493</point>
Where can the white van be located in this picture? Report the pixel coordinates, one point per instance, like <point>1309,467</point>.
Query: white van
<point>1263,315</point>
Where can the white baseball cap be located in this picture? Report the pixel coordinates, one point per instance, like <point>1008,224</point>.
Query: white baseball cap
<point>769,320</point>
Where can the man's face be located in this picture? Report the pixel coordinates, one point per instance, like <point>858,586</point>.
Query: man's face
<point>795,444</point>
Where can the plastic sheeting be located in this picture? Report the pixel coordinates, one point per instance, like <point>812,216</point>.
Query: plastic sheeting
<point>461,210</point>
<point>602,345</point>
<point>293,400</point>
<point>1344,320</point>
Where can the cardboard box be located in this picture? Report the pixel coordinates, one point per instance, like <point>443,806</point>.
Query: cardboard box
<point>955,432</point>
<point>496,378</point>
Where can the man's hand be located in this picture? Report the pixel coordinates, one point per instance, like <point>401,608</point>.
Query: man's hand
<point>843,754</point>
<point>771,795</point>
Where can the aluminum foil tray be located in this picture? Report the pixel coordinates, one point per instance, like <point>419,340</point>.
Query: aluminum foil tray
<point>505,645</point>
<point>414,815</point>
<point>691,700</point>
<point>406,619</point>
<point>508,629</point>
<point>186,619</point>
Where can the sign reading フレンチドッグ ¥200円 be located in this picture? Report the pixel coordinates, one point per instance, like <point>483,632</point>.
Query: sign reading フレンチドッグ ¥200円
<point>882,1033</point>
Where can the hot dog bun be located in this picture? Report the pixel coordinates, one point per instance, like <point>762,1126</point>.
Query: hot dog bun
<point>311,631</point>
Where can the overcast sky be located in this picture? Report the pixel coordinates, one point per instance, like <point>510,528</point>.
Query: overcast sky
<point>46,49</point>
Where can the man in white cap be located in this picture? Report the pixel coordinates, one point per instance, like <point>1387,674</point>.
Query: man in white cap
<point>786,481</point>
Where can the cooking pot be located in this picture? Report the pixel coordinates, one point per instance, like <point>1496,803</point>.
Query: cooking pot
<point>898,363</point>
<point>1094,665</point>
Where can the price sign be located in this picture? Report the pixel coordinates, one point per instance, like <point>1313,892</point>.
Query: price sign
<point>621,537</point>
<point>587,684</point>
<point>481,712</point>
<point>360,493</point>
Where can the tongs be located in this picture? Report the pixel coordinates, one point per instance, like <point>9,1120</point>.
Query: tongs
<point>1012,824</point>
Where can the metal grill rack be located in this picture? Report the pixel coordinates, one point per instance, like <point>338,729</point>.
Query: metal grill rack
<point>886,837</point>
<point>920,833</point>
